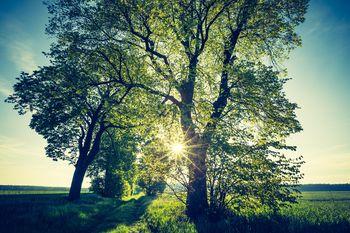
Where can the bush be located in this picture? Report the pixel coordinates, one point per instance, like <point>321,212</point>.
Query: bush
<point>111,186</point>
<point>152,188</point>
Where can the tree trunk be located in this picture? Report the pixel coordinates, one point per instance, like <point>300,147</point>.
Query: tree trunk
<point>77,181</point>
<point>197,201</point>
<point>87,152</point>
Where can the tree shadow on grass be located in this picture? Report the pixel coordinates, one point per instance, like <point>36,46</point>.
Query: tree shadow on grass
<point>269,224</point>
<point>52,213</point>
<point>127,213</point>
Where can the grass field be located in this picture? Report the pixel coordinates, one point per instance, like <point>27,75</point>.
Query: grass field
<point>316,212</point>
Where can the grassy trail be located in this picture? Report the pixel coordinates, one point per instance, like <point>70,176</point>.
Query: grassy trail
<point>52,213</point>
<point>125,215</point>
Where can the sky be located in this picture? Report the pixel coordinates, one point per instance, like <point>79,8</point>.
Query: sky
<point>320,84</point>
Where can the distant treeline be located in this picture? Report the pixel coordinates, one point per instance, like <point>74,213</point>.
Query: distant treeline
<point>35,188</point>
<point>324,187</point>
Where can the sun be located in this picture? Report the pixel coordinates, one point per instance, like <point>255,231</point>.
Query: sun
<point>177,148</point>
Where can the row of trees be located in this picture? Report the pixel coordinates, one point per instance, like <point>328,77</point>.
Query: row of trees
<point>117,172</point>
<point>113,171</point>
<point>203,73</point>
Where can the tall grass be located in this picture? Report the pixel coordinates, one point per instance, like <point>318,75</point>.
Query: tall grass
<point>316,212</point>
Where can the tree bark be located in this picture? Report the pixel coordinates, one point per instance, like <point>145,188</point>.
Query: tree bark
<point>87,153</point>
<point>197,201</point>
<point>77,181</point>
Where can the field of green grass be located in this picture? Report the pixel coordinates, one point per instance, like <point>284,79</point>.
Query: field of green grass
<point>316,212</point>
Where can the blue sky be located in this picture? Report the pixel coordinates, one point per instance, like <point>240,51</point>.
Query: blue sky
<point>320,84</point>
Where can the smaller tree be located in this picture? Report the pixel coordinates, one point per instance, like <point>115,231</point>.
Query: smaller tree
<point>151,186</point>
<point>247,165</point>
<point>153,168</point>
<point>113,171</point>
<point>243,177</point>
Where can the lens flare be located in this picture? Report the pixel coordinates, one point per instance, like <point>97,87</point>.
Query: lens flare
<point>177,148</point>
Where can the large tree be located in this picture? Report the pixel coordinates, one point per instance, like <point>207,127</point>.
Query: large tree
<point>191,52</point>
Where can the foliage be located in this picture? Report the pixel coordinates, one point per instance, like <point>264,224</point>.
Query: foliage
<point>113,171</point>
<point>67,109</point>
<point>252,177</point>
<point>247,165</point>
<point>74,103</point>
<point>153,168</point>
<point>151,187</point>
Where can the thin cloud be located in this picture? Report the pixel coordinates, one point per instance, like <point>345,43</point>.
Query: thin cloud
<point>5,88</point>
<point>321,20</point>
<point>23,56</point>
<point>19,47</point>
<point>12,147</point>
<point>8,144</point>
<point>5,91</point>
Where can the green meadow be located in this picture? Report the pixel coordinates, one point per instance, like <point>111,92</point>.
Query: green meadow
<point>323,211</point>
